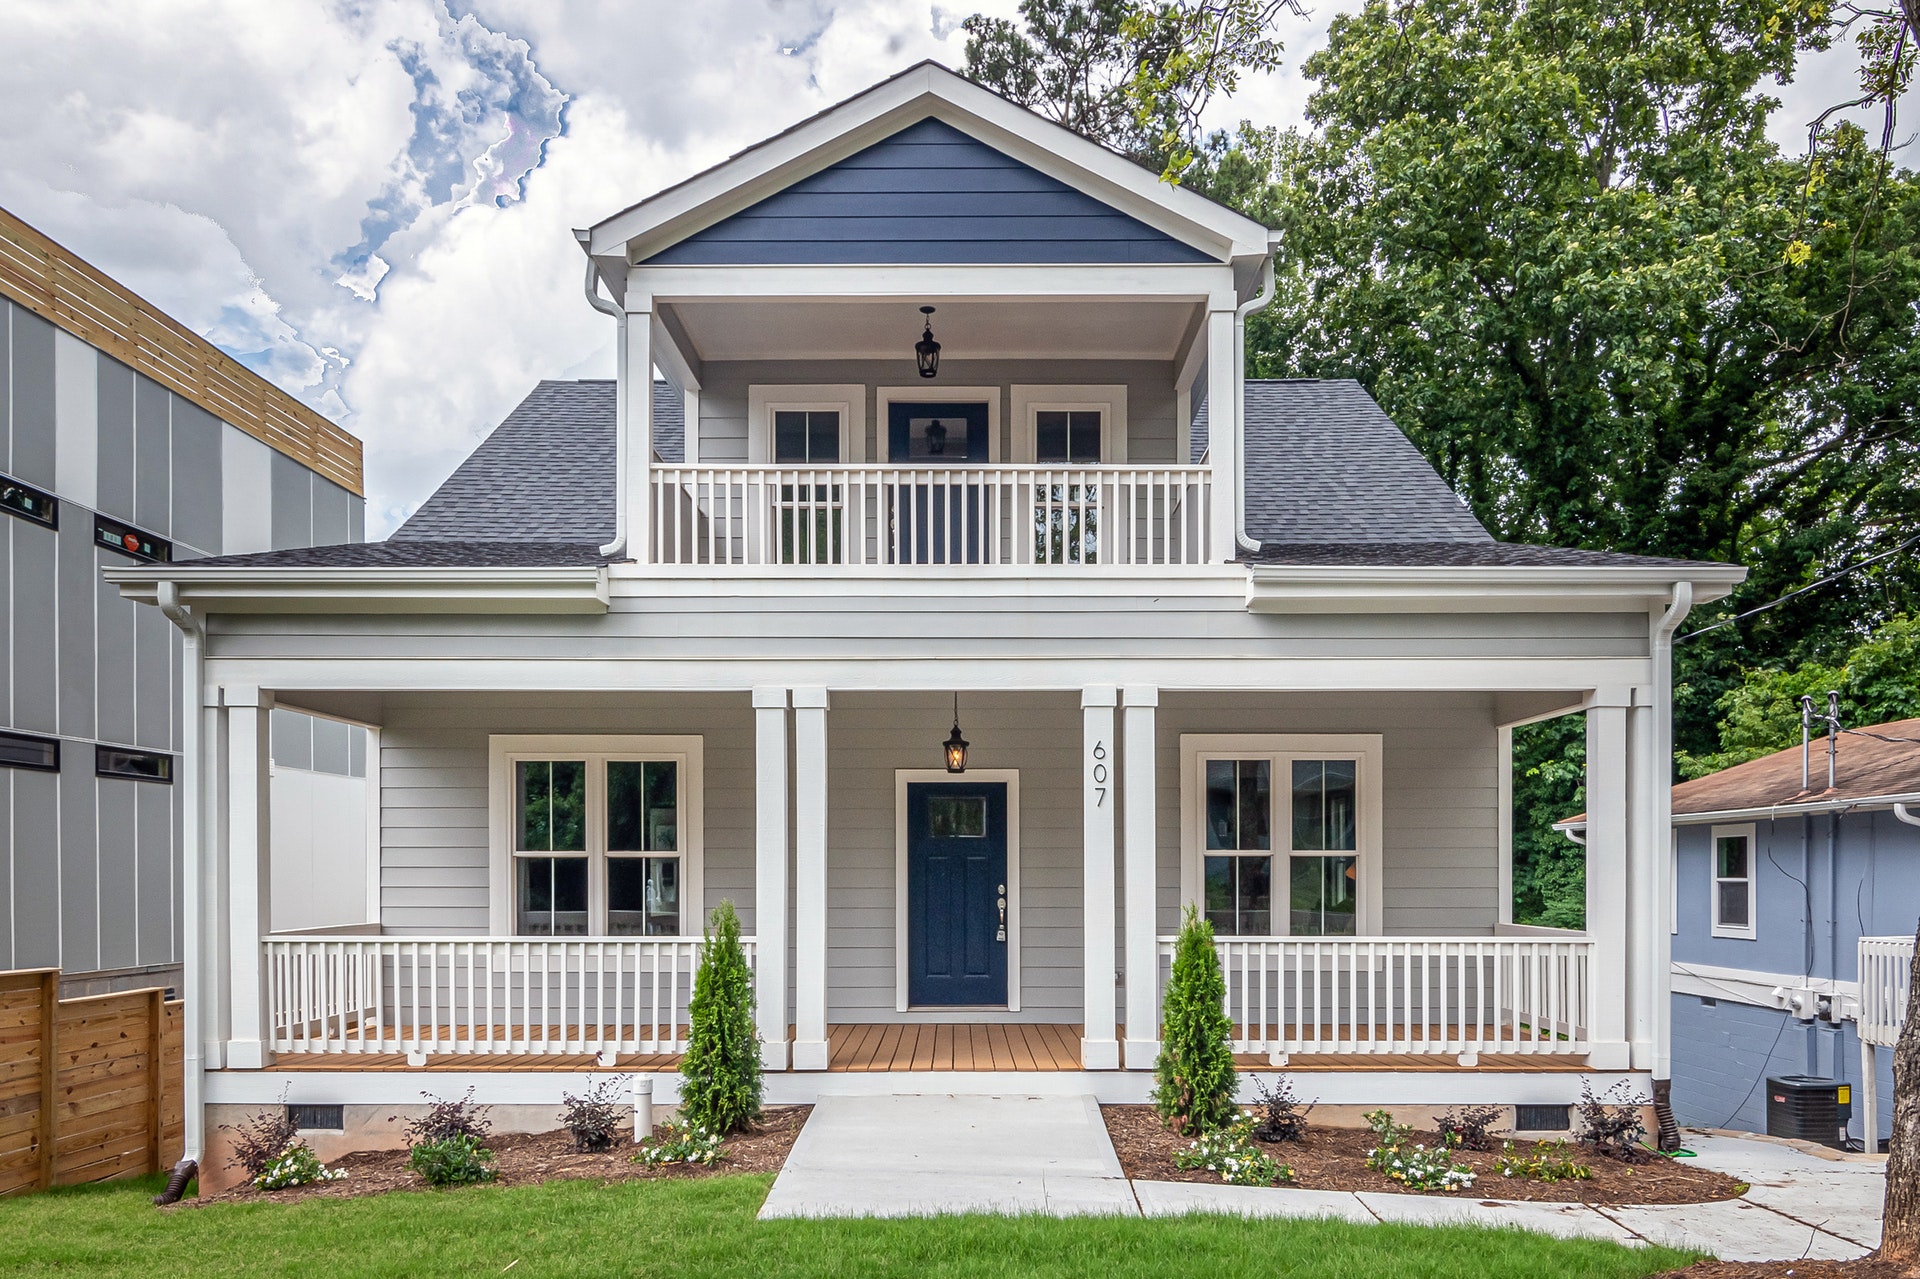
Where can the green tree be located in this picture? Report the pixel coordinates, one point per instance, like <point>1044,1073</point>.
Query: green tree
<point>1195,1085</point>
<point>720,1075</point>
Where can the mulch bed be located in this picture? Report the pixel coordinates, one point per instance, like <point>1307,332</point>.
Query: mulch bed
<point>526,1159</point>
<point>1864,1268</point>
<point>1336,1159</point>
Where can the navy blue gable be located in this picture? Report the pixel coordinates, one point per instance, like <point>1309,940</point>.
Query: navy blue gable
<point>929,193</point>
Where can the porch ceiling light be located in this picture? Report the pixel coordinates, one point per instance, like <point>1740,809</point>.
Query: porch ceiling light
<point>956,745</point>
<point>926,352</point>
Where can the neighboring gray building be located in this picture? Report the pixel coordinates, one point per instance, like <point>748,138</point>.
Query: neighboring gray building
<point>103,463</point>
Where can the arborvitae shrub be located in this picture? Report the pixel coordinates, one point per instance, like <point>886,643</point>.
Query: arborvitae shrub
<point>721,1071</point>
<point>1195,1084</point>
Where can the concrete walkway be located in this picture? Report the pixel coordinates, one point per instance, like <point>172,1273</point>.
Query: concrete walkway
<point>919,1155</point>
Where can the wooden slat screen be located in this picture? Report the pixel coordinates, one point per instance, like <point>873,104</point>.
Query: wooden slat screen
<point>89,1088</point>
<point>51,282</point>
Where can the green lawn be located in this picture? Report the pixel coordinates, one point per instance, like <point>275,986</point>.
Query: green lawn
<point>691,1228</point>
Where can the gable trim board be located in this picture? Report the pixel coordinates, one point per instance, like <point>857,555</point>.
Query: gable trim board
<point>926,91</point>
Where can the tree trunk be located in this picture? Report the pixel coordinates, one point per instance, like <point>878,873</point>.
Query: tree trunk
<point>1900,1232</point>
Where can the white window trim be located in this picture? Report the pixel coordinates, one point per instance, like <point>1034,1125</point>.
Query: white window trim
<point>1366,749</point>
<point>1111,401</point>
<point>885,397</point>
<point>848,398</point>
<point>504,750</point>
<point>901,776</point>
<point>1715,834</point>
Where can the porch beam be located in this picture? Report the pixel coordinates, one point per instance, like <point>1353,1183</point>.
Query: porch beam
<point>1141,855</point>
<point>1099,1044</point>
<point>810,1050</point>
<point>770,872</point>
<point>249,836</point>
<point>1607,878</point>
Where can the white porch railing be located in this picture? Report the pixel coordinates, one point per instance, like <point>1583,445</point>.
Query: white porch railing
<point>1455,995</point>
<point>1886,976</point>
<point>737,516</point>
<point>417,995</point>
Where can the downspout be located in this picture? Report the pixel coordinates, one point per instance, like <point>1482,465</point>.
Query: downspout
<point>1900,813</point>
<point>1252,306</point>
<point>193,827</point>
<point>618,546</point>
<point>1679,604</point>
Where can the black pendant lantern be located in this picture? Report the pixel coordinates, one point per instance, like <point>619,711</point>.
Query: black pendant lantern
<point>927,353</point>
<point>956,745</point>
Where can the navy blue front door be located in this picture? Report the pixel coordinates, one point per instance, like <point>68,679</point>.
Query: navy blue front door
<point>937,523</point>
<point>956,887</point>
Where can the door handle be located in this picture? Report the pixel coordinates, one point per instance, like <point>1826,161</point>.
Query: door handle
<point>1002,934</point>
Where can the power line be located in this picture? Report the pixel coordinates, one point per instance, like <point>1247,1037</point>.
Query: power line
<point>1815,585</point>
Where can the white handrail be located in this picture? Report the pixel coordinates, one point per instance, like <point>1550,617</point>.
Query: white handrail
<point>1886,976</point>
<point>1453,995</point>
<point>851,516</point>
<point>423,995</point>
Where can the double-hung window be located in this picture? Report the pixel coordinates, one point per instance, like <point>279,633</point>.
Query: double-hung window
<point>1284,833</point>
<point>596,836</point>
<point>809,513</point>
<point>1733,886</point>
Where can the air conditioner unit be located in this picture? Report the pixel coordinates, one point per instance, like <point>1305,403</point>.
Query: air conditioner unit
<point>1809,1107</point>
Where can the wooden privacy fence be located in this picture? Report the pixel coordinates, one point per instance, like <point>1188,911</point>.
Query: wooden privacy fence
<point>89,1088</point>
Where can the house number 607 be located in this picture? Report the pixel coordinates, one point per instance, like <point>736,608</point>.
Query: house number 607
<point>1099,774</point>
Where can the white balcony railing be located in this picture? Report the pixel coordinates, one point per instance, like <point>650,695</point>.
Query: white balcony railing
<point>737,516</point>
<point>423,995</point>
<point>1453,995</point>
<point>1886,988</point>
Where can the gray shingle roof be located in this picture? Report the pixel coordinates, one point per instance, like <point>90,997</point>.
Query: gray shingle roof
<point>545,474</point>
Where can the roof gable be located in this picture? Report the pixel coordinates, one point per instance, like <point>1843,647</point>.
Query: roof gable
<point>923,92</point>
<point>928,193</point>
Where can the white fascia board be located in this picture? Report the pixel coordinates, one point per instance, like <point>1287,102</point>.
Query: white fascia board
<point>1752,986</point>
<point>385,590</point>
<point>1773,812</point>
<point>957,582</point>
<point>649,286</point>
<point>1347,589</point>
<point>925,91</point>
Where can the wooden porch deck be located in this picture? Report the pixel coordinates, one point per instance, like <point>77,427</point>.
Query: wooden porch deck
<point>925,1047</point>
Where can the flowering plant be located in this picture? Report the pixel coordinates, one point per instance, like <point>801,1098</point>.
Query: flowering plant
<point>681,1144</point>
<point>1231,1152</point>
<point>297,1165</point>
<point>1398,1158</point>
<point>1549,1161</point>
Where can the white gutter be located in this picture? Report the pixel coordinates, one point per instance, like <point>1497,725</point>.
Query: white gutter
<point>1325,588</point>
<point>1901,814</point>
<point>1768,812</point>
<point>618,546</point>
<point>1656,899</point>
<point>1251,306</point>
<point>193,825</point>
<point>372,589</point>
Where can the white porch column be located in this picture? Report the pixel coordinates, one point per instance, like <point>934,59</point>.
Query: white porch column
<point>810,879</point>
<point>1223,436</point>
<point>1607,879</point>
<point>1141,859</point>
<point>1646,913</point>
<point>1099,1047</point>
<point>638,498</point>
<point>770,872</point>
<point>249,839</point>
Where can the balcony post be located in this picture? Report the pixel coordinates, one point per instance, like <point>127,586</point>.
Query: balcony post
<point>637,373</point>
<point>810,879</point>
<point>770,872</point>
<point>1099,1045</point>
<point>1223,437</point>
<point>249,816</point>
<point>1607,879</point>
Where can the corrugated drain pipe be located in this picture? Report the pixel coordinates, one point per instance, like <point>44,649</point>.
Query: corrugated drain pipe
<point>193,825</point>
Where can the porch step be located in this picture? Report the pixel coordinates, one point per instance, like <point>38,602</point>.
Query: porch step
<point>906,1155</point>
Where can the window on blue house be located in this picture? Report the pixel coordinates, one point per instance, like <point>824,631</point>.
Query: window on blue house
<point>1732,889</point>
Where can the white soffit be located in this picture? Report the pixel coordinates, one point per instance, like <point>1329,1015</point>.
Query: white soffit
<point>921,92</point>
<point>998,330</point>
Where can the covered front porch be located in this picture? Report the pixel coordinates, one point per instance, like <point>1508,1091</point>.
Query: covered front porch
<point>1376,943</point>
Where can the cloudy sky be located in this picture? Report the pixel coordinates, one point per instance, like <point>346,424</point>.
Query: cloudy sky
<point>370,202</point>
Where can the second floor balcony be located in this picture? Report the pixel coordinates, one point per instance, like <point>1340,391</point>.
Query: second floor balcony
<point>827,517</point>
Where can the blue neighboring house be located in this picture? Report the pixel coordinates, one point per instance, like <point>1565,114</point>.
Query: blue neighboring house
<point>1778,875</point>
